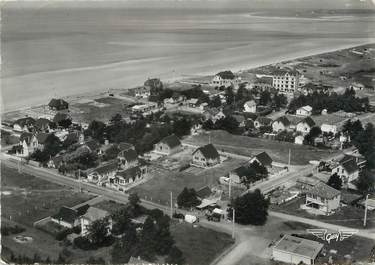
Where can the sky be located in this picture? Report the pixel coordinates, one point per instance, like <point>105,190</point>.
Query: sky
<point>253,4</point>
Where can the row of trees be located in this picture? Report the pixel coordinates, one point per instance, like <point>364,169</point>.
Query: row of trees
<point>334,102</point>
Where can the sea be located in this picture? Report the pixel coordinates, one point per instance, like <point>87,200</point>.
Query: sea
<point>58,52</point>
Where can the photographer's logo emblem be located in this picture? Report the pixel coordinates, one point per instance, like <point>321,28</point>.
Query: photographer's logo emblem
<point>328,236</point>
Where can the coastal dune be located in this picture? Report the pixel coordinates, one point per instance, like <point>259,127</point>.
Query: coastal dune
<point>37,67</point>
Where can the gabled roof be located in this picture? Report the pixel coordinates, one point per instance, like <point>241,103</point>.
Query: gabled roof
<point>309,121</point>
<point>350,166</point>
<point>42,123</point>
<point>129,155</point>
<point>204,192</point>
<point>264,80</point>
<point>107,168</point>
<point>284,120</point>
<point>264,120</point>
<point>299,246</point>
<point>226,75</point>
<point>264,159</point>
<point>125,146</point>
<point>282,72</point>
<point>42,137</point>
<point>93,214</point>
<point>58,103</point>
<point>241,171</point>
<point>26,136</point>
<point>66,214</point>
<point>322,190</point>
<point>129,173</point>
<point>171,140</point>
<point>73,136</point>
<point>208,151</point>
<point>28,121</point>
<point>307,108</point>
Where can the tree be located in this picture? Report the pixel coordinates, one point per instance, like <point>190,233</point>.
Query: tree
<point>182,126</point>
<point>314,133</point>
<point>134,199</point>
<point>215,102</point>
<point>175,256</point>
<point>280,100</point>
<point>251,208</point>
<point>126,247</point>
<point>111,153</point>
<point>335,181</point>
<point>265,97</point>
<point>187,198</point>
<point>229,124</point>
<point>121,221</point>
<point>116,119</point>
<point>96,130</point>
<point>366,181</point>
<point>98,231</point>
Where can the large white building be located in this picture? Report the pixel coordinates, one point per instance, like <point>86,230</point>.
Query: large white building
<point>285,81</point>
<point>296,250</point>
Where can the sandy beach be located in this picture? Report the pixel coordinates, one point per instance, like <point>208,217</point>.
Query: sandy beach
<point>72,56</point>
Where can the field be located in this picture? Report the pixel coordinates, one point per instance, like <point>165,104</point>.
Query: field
<point>26,199</point>
<point>159,187</point>
<point>349,216</point>
<point>199,245</point>
<point>248,146</point>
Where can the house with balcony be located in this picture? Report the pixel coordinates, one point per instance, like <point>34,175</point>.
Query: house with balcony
<point>323,199</point>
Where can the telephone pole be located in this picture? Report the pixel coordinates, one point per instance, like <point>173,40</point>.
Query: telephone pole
<point>233,221</point>
<point>171,205</point>
<point>230,188</point>
<point>289,157</point>
<point>365,217</point>
<point>79,180</point>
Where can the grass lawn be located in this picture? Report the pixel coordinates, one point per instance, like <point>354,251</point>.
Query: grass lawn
<point>109,206</point>
<point>249,146</point>
<point>349,216</point>
<point>199,245</point>
<point>159,187</point>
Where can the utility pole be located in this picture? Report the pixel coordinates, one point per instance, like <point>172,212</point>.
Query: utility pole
<point>171,205</point>
<point>230,188</point>
<point>289,157</point>
<point>233,221</point>
<point>365,218</point>
<point>19,166</point>
<point>79,180</point>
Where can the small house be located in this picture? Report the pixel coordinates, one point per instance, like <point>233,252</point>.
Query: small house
<point>24,124</point>
<point>123,146</point>
<point>94,214</point>
<point>304,111</point>
<point>204,193</point>
<point>206,156</point>
<point>263,159</point>
<point>69,217</point>
<point>281,124</point>
<point>43,125</point>
<point>262,121</point>
<point>299,139</point>
<point>226,79</point>
<point>127,176</point>
<point>29,143</point>
<point>323,199</point>
<point>58,104</point>
<point>240,119</point>
<point>60,117</point>
<point>236,176</point>
<point>102,173</point>
<point>56,162</point>
<point>296,250</point>
<point>305,125</point>
<point>168,145</point>
<point>250,106</point>
<point>348,170</point>
<point>328,128</point>
<point>357,86</point>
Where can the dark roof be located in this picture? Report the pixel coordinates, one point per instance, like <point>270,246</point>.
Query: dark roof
<point>42,137</point>
<point>42,122</point>
<point>58,103</point>
<point>226,75</point>
<point>109,167</point>
<point>129,155</point>
<point>264,159</point>
<point>282,72</point>
<point>129,173</point>
<point>264,120</point>
<point>60,117</point>
<point>66,214</point>
<point>242,171</point>
<point>350,166</point>
<point>92,144</point>
<point>72,136</point>
<point>239,118</point>
<point>57,160</point>
<point>264,80</point>
<point>25,121</point>
<point>171,140</point>
<point>204,192</point>
<point>284,120</point>
<point>322,190</point>
<point>82,209</point>
<point>26,136</point>
<point>309,121</point>
<point>125,146</point>
<point>209,151</point>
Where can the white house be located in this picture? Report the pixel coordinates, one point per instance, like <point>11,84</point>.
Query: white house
<point>263,159</point>
<point>281,124</point>
<point>328,128</point>
<point>226,79</point>
<point>357,86</point>
<point>323,199</point>
<point>299,139</point>
<point>250,106</point>
<point>285,81</point>
<point>69,217</point>
<point>101,174</point>
<point>348,170</point>
<point>29,143</point>
<point>168,145</point>
<point>296,250</point>
<point>262,121</point>
<point>24,124</point>
<point>304,111</point>
<point>305,125</point>
<point>94,214</point>
<point>206,156</point>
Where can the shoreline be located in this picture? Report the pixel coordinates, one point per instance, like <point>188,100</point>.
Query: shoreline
<point>205,73</point>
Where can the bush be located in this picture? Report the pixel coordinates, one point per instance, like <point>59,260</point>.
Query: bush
<point>10,230</point>
<point>63,234</point>
<point>83,243</point>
